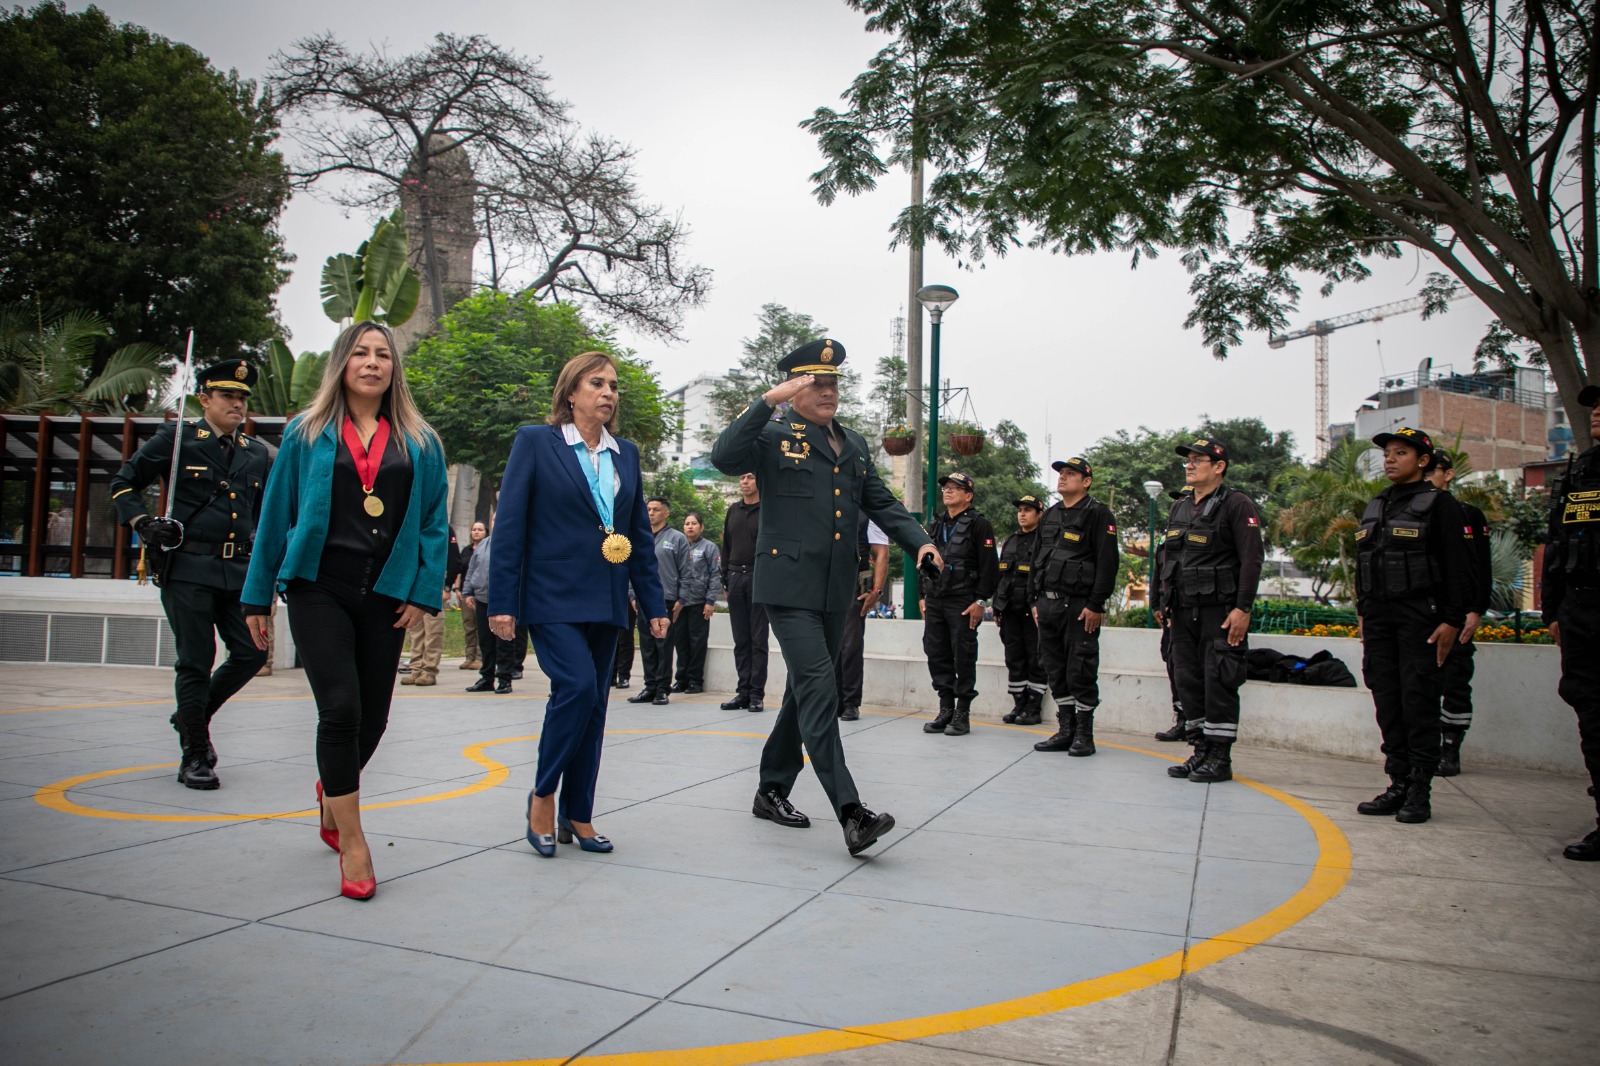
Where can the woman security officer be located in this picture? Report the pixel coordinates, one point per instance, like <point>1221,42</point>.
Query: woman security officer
<point>1413,585</point>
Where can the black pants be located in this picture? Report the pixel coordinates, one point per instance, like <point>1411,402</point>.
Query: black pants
<point>194,612</point>
<point>1172,674</point>
<point>1457,684</point>
<point>1024,662</point>
<point>1401,668</point>
<point>1071,654</point>
<point>1210,671</point>
<point>951,646</point>
<point>622,663</point>
<point>694,634</point>
<point>848,664</point>
<point>499,657</point>
<point>749,620</point>
<point>656,655</point>
<point>809,717</point>
<point>348,643</point>
<point>1580,676</point>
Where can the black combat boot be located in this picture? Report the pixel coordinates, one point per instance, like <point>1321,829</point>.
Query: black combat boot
<point>1217,765</point>
<point>1030,708</point>
<point>1083,737</point>
<point>1066,729</point>
<point>1018,700</point>
<point>959,726</point>
<point>211,751</point>
<point>1389,800</point>
<point>1585,850</point>
<point>195,771</point>
<point>1179,730</point>
<point>947,710</point>
<point>1450,752</point>
<point>1192,763</point>
<point>1419,793</point>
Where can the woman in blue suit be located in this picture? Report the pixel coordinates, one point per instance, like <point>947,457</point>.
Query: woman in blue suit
<point>570,534</point>
<point>354,531</point>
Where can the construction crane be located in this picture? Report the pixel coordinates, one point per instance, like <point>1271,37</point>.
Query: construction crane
<point>1320,330</point>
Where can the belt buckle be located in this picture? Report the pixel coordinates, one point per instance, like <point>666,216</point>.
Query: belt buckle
<point>227,549</point>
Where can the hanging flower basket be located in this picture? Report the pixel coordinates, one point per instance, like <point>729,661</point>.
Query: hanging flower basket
<point>967,443</point>
<point>899,440</point>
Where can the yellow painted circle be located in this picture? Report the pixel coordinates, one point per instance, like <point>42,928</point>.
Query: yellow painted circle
<point>1328,876</point>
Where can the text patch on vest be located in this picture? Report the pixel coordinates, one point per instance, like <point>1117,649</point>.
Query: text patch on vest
<point>1581,507</point>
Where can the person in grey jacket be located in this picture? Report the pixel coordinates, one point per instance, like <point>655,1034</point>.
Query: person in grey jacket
<point>700,587</point>
<point>672,560</point>
<point>499,657</point>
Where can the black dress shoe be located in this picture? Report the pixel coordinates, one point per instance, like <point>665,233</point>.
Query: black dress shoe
<point>850,714</point>
<point>738,703</point>
<point>660,700</point>
<point>644,695</point>
<point>777,808</point>
<point>483,684</point>
<point>678,686</point>
<point>694,690</point>
<point>194,773</point>
<point>516,674</point>
<point>862,828</point>
<point>503,688</point>
<point>755,708</point>
<point>1585,850</point>
<point>621,682</point>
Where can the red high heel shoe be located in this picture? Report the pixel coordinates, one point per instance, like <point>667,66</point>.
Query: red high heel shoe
<point>365,888</point>
<point>330,837</point>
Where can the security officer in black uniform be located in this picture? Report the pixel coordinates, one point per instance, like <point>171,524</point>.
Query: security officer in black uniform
<point>1457,678</point>
<point>953,603</point>
<point>1013,613</point>
<point>203,550</point>
<point>1074,571</point>
<point>1571,604</point>
<point>1211,565</point>
<point>1413,584</point>
<point>1180,727</point>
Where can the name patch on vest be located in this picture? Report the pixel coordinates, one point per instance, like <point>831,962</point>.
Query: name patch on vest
<point>1581,507</point>
<point>1069,535</point>
<point>1198,538</point>
<point>1361,534</point>
<point>1401,532</point>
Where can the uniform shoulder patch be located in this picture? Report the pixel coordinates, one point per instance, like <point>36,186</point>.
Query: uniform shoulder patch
<point>1111,527</point>
<point>1251,521</point>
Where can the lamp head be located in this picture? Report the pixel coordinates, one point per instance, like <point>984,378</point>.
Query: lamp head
<point>1152,489</point>
<point>936,298</point>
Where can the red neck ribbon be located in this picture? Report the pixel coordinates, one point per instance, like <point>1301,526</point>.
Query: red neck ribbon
<point>367,458</point>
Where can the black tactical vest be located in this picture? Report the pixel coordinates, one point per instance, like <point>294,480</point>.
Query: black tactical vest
<point>1016,566</point>
<point>1199,550</point>
<point>1392,551</point>
<point>960,552</point>
<point>1576,520</point>
<point>1066,553</point>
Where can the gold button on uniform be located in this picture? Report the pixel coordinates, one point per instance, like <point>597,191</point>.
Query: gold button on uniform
<point>235,495</point>
<point>835,470</point>
<point>838,514</point>
<point>234,515</point>
<point>774,551</point>
<point>836,536</point>
<point>836,492</point>
<point>230,536</point>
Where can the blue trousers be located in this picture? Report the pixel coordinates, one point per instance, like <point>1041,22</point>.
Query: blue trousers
<point>577,657</point>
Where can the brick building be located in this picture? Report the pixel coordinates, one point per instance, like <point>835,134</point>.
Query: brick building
<point>1504,419</point>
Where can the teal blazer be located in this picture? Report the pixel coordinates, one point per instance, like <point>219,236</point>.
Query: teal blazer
<point>294,524</point>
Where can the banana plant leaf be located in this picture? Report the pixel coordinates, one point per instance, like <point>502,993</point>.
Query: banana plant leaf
<point>341,286</point>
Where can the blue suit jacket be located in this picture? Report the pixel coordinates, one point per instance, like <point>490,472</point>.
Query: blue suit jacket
<point>546,565</point>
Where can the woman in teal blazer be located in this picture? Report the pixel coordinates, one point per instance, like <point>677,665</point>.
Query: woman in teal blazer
<point>353,531</point>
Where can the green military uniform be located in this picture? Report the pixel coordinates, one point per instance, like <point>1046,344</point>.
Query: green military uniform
<point>812,491</point>
<point>221,478</point>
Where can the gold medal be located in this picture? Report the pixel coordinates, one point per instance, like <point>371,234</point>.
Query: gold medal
<point>616,548</point>
<point>373,505</point>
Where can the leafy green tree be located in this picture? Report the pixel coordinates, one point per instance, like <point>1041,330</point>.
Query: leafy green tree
<point>781,332</point>
<point>490,366</point>
<point>141,186</point>
<point>1259,141</point>
<point>376,284</point>
<point>1321,513</point>
<point>1002,472</point>
<point>48,366</point>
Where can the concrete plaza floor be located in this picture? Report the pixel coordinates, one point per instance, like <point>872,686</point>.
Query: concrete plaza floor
<point>1029,908</point>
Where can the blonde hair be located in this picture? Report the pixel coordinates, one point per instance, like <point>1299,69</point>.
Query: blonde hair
<point>567,383</point>
<point>328,406</point>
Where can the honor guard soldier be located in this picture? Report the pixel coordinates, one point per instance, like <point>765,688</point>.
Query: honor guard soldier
<point>815,477</point>
<point>1211,565</point>
<point>1074,569</point>
<point>953,604</point>
<point>1180,727</point>
<point>1013,613</point>
<point>203,550</point>
<point>1413,585</point>
<point>1571,603</point>
<point>1457,678</point>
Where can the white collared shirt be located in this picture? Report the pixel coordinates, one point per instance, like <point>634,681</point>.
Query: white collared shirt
<point>570,432</point>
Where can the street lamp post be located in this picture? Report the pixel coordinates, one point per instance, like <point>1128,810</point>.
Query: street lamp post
<point>1152,489</point>
<point>935,298</point>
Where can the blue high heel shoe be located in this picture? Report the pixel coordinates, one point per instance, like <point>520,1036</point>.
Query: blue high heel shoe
<point>565,833</point>
<point>543,843</point>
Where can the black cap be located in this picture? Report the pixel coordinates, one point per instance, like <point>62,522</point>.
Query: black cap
<point>1211,449</point>
<point>1178,494</point>
<point>1413,438</point>
<point>235,375</point>
<point>820,357</point>
<point>1589,396</point>
<point>1077,463</point>
<point>1442,461</point>
<point>1028,501</point>
<point>959,480</point>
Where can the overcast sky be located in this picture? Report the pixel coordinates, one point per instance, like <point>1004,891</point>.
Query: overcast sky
<point>710,93</point>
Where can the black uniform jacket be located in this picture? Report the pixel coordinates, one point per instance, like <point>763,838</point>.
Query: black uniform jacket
<point>1583,477</point>
<point>1477,532</point>
<point>216,498</point>
<point>982,563</point>
<point>1100,529</point>
<point>1447,528</point>
<point>810,500</point>
<point>1238,527</point>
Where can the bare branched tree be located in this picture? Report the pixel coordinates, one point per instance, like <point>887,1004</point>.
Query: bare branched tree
<point>559,207</point>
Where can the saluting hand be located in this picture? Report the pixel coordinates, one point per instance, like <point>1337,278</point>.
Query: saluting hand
<point>787,390</point>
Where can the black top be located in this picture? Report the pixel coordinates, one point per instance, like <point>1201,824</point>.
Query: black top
<point>350,527</point>
<point>739,531</point>
<point>1448,544</point>
<point>1482,562</point>
<point>981,562</point>
<point>1569,541</point>
<point>463,560</point>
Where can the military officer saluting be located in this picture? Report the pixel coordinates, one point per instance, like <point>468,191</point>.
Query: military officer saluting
<point>815,477</point>
<point>953,603</point>
<point>1013,613</point>
<point>1572,604</point>
<point>203,551</point>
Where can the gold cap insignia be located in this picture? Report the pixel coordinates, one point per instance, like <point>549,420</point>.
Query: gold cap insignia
<point>241,371</point>
<point>827,353</point>
<point>1202,444</point>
